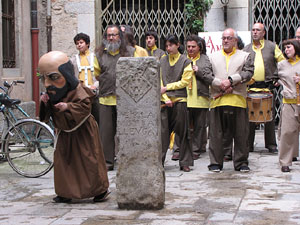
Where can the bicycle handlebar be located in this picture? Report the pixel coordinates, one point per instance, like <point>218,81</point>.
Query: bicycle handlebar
<point>9,86</point>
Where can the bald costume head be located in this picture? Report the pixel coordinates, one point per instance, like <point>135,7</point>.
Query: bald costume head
<point>57,74</point>
<point>51,61</point>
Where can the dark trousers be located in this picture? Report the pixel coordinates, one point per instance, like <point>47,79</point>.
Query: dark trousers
<point>107,128</point>
<point>176,119</point>
<point>228,119</point>
<point>197,117</point>
<point>269,133</point>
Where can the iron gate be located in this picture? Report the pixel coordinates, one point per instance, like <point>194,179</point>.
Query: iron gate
<point>281,19</point>
<point>164,16</point>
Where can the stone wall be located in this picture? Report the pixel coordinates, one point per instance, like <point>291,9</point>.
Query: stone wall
<point>70,18</point>
<point>237,16</point>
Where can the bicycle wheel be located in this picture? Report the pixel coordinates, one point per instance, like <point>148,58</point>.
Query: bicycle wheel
<point>29,146</point>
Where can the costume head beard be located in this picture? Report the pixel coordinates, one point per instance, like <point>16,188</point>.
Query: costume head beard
<point>67,70</point>
<point>59,93</point>
<point>112,46</point>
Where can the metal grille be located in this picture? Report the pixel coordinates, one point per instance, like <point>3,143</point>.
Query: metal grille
<point>8,33</point>
<point>161,15</point>
<point>281,19</point>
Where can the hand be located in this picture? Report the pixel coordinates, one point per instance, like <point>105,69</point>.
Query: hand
<point>61,106</point>
<point>44,97</point>
<point>228,90</point>
<point>276,84</point>
<point>195,68</point>
<point>93,87</point>
<point>163,90</point>
<point>225,84</point>
<point>296,79</point>
<point>169,103</point>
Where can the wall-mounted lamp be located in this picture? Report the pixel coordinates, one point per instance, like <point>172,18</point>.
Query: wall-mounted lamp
<point>225,3</point>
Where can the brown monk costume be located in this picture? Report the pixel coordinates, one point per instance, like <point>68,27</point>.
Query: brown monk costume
<point>79,165</point>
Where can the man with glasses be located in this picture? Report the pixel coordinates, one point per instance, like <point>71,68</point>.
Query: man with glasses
<point>267,54</point>
<point>232,69</point>
<point>112,48</point>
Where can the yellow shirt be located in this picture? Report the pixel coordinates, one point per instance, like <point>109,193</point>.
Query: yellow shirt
<point>107,100</point>
<point>84,62</point>
<point>193,100</point>
<point>259,67</point>
<point>152,49</point>
<point>140,52</point>
<point>184,82</point>
<point>229,99</point>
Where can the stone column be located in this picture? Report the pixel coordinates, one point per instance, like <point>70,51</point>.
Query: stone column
<point>140,180</point>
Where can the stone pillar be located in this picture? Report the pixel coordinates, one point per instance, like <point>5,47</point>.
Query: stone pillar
<point>140,180</point>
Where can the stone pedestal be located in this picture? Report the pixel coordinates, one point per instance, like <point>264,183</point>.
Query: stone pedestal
<point>140,180</point>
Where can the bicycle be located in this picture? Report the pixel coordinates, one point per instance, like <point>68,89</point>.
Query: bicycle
<point>27,144</point>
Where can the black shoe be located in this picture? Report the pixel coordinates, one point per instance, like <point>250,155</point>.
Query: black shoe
<point>295,159</point>
<point>110,167</point>
<point>59,199</point>
<point>285,169</point>
<point>244,169</point>
<point>273,150</point>
<point>101,198</point>
<point>214,168</point>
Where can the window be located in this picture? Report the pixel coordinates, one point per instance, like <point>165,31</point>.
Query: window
<point>8,34</point>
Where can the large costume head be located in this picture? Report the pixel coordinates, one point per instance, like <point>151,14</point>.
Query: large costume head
<point>57,74</point>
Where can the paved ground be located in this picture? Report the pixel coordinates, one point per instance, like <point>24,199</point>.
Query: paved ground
<point>263,196</point>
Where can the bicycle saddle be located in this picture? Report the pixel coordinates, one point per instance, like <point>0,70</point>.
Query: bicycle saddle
<point>9,102</point>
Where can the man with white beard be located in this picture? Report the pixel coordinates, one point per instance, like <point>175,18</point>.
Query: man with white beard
<point>113,47</point>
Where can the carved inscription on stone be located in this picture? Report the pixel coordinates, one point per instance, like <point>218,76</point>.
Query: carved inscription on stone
<point>140,180</point>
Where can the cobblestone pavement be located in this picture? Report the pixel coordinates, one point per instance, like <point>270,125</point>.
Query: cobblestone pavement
<point>263,196</point>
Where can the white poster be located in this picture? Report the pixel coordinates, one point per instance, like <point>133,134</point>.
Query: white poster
<point>214,42</point>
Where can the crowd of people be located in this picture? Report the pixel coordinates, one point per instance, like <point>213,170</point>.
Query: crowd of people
<point>202,97</point>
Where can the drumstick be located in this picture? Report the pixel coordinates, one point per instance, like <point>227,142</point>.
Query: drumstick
<point>191,82</point>
<point>298,91</point>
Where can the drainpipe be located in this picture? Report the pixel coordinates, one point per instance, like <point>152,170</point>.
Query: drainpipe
<point>35,54</point>
<point>49,27</point>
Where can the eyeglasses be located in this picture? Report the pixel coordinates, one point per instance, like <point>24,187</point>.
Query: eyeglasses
<point>112,35</point>
<point>229,38</point>
<point>52,76</point>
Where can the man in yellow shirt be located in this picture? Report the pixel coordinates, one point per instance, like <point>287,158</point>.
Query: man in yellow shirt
<point>113,47</point>
<point>151,40</point>
<point>232,69</point>
<point>267,54</point>
<point>83,63</point>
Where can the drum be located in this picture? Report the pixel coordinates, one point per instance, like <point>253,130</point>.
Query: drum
<point>260,107</point>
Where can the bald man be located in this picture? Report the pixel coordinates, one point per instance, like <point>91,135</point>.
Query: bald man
<point>267,55</point>
<point>232,69</point>
<point>79,165</point>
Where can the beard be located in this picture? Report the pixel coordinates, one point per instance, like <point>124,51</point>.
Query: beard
<point>112,46</point>
<point>59,93</point>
